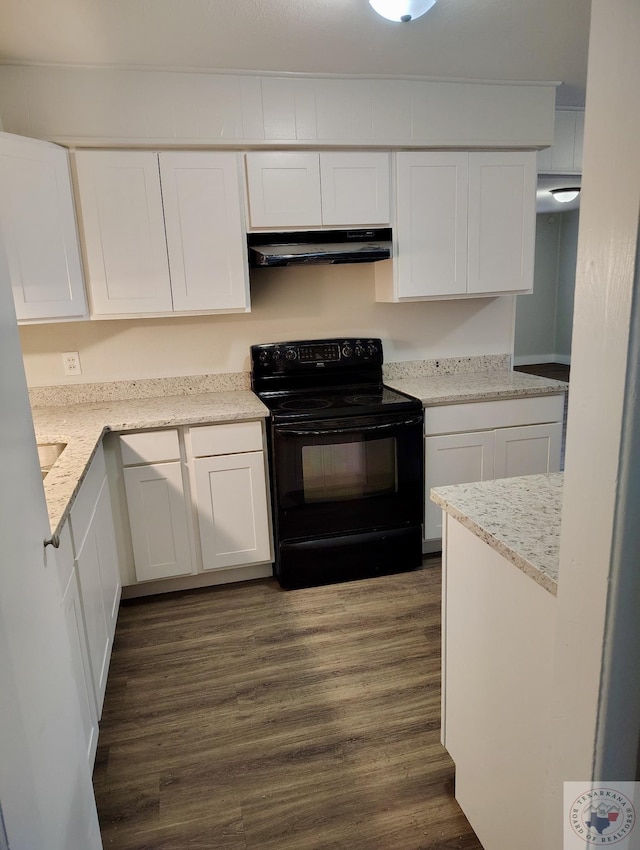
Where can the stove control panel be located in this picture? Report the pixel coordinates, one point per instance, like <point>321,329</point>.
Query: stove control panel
<point>339,355</point>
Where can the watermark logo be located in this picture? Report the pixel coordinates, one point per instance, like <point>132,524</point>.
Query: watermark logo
<point>601,815</point>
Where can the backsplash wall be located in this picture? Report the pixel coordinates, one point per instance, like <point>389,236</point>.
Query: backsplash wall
<point>295,303</point>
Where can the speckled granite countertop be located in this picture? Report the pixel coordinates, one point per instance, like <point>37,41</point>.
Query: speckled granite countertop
<point>475,386</point>
<point>518,517</point>
<point>81,427</point>
<point>78,415</point>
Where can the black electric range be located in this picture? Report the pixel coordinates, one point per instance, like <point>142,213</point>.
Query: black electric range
<point>346,460</point>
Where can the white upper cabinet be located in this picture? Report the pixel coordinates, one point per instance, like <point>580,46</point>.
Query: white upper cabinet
<point>314,190</point>
<point>355,188</point>
<point>565,154</point>
<point>123,227</point>
<point>431,223</point>
<point>502,222</point>
<point>163,232</point>
<point>284,189</point>
<point>465,226</point>
<point>38,225</point>
<point>203,211</point>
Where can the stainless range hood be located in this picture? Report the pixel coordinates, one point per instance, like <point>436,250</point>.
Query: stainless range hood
<point>319,247</point>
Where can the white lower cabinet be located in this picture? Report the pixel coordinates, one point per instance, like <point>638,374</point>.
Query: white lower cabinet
<point>81,664</point>
<point>96,559</point>
<point>509,438</point>
<point>157,504</point>
<point>231,494</point>
<point>232,510</point>
<point>196,499</point>
<point>158,517</point>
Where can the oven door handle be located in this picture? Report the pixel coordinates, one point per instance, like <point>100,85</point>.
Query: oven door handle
<point>297,431</point>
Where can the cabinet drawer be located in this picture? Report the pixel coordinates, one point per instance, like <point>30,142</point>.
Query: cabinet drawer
<point>149,447</point>
<point>226,439</point>
<point>481,415</point>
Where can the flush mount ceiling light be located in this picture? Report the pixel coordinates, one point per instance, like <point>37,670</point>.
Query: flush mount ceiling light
<point>401,11</point>
<point>565,196</point>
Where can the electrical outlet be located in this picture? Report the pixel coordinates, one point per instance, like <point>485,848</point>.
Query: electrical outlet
<point>71,363</point>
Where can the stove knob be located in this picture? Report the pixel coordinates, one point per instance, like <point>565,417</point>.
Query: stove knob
<point>291,354</point>
<point>347,350</point>
<point>359,350</point>
<point>264,356</point>
<point>372,349</point>
<point>277,354</point>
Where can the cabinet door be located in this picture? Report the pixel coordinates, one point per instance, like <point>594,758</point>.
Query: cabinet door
<point>93,609</point>
<point>231,496</point>
<point>284,189</point>
<point>528,450</point>
<point>431,224</point>
<point>81,666</point>
<point>201,193</point>
<point>108,561</point>
<point>454,459</point>
<point>355,188</point>
<point>37,221</point>
<point>502,221</point>
<point>123,227</point>
<point>99,578</point>
<point>158,520</point>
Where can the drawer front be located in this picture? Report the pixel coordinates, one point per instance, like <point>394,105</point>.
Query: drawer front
<point>483,415</point>
<point>149,447</point>
<point>226,439</point>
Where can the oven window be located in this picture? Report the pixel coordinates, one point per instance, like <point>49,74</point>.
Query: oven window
<point>340,471</point>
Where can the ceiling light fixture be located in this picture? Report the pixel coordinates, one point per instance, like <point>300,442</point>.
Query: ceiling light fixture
<point>401,11</point>
<point>565,196</point>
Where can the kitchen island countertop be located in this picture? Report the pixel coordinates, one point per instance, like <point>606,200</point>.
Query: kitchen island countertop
<point>81,427</point>
<point>518,517</point>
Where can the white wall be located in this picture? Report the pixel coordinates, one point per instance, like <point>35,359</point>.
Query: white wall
<point>536,313</point>
<point>295,303</point>
<point>591,659</point>
<point>567,255</point>
<point>544,319</point>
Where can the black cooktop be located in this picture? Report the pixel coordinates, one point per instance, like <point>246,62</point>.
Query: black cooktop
<point>325,378</point>
<point>361,400</point>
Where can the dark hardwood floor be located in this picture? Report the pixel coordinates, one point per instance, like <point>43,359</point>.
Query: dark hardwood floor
<point>244,717</point>
<point>556,371</point>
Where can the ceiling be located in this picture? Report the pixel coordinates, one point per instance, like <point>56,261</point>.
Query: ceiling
<point>482,39</point>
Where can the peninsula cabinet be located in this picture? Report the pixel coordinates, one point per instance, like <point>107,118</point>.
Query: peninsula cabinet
<point>301,189</point>
<point>231,494</point>
<point>96,559</point>
<point>465,226</point>
<point>38,227</point>
<point>479,441</point>
<point>163,233</point>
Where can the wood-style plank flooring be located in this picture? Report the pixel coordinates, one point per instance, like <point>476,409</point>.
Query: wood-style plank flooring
<point>245,717</point>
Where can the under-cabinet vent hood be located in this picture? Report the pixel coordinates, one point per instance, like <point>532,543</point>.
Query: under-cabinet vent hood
<point>319,247</point>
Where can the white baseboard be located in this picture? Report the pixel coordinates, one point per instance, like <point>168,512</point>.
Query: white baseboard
<point>531,359</point>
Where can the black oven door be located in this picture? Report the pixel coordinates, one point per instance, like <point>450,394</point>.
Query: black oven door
<point>338,476</point>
